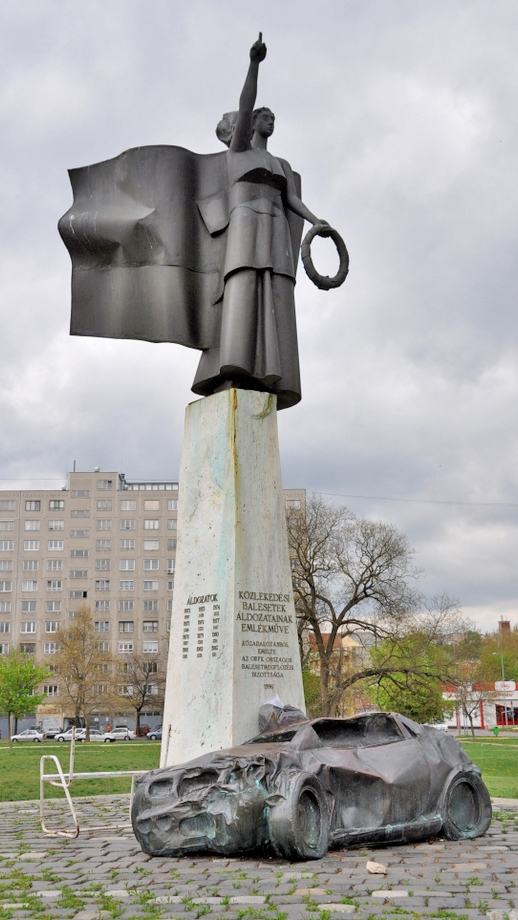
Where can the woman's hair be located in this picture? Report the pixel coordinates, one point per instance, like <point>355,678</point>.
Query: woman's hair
<point>226,126</point>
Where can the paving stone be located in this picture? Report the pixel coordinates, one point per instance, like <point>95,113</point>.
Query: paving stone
<point>390,893</point>
<point>339,908</point>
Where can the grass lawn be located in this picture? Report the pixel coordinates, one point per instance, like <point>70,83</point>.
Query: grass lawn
<point>20,767</point>
<point>498,761</point>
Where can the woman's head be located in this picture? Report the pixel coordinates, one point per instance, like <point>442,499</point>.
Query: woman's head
<point>225,128</point>
<point>263,121</point>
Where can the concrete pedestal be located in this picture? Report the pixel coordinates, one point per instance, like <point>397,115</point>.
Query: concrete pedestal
<point>233,638</point>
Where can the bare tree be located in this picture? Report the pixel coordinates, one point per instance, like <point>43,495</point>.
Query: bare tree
<point>85,670</point>
<point>141,683</point>
<point>354,577</point>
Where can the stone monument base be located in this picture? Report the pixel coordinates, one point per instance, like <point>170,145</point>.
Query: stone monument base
<point>233,641</point>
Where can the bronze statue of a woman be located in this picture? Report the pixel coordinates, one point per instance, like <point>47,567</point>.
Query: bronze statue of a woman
<point>169,245</point>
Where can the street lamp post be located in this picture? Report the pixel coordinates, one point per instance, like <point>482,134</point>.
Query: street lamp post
<point>503,681</point>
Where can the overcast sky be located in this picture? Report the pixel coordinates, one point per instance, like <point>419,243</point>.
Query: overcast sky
<point>401,116</point>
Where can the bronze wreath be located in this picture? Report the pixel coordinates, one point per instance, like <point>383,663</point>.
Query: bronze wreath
<point>324,282</point>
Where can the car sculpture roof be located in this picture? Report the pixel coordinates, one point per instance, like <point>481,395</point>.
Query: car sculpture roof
<point>373,778</point>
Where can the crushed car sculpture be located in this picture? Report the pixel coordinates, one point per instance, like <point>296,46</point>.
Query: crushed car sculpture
<point>298,789</point>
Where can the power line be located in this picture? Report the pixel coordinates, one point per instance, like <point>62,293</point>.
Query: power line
<point>420,501</point>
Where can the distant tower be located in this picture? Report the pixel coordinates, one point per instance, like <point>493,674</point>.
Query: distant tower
<point>504,628</point>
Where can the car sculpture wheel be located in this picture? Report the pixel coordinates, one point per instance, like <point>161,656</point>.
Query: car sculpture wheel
<point>371,779</point>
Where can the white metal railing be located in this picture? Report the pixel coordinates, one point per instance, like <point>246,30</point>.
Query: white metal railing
<point>64,781</point>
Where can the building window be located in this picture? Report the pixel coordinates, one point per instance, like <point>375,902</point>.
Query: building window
<point>171,546</point>
<point>102,584</point>
<point>81,493</point>
<point>28,606</point>
<point>55,585</point>
<point>104,504</point>
<point>126,606</point>
<point>152,545</point>
<point>127,524</point>
<point>168,624</point>
<point>28,648</point>
<point>127,544</point>
<point>151,565</point>
<point>151,524</point>
<point>102,626</point>
<point>51,689</point>
<point>170,566</point>
<point>103,546</point>
<point>103,565</point>
<point>52,626</point>
<point>9,525</point>
<point>126,565</point>
<point>292,505</point>
<point>103,647</point>
<point>80,513</point>
<point>150,605</point>
<point>29,585</point>
<point>128,505</point>
<point>152,504</point>
<point>79,534</point>
<point>172,524</point>
<point>103,524</point>
<point>77,595</point>
<point>31,525</point>
<point>50,648</point>
<point>151,667</point>
<point>172,504</point>
<point>126,585</point>
<point>56,525</point>
<point>150,626</point>
<point>8,585</point>
<point>6,565</point>
<point>104,485</point>
<point>53,606</point>
<point>150,585</point>
<point>5,606</point>
<point>55,546</point>
<point>7,504</point>
<point>5,628</point>
<point>79,573</point>
<point>28,627</point>
<point>4,648</point>
<point>126,626</point>
<point>7,546</point>
<point>79,553</point>
<point>56,504</point>
<point>32,505</point>
<point>102,606</point>
<point>150,648</point>
<point>170,584</point>
<point>125,647</point>
<point>54,565</point>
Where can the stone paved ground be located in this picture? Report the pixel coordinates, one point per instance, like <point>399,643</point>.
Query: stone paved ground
<point>103,874</point>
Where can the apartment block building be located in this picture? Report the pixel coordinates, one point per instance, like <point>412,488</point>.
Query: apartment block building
<point>99,541</point>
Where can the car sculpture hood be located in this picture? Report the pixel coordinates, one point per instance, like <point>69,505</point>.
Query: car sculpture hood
<point>369,779</point>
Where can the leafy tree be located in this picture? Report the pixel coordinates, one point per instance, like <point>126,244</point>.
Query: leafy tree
<point>85,671</point>
<point>141,683</point>
<point>20,676</point>
<point>416,690</point>
<point>355,577</point>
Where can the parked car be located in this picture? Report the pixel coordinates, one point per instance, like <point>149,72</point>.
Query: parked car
<point>155,734</point>
<point>67,736</point>
<point>143,730</point>
<point>50,733</point>
<point>30,734</point>
<point>96,735</point>
<point>120,733</point>
<point>376,778</point>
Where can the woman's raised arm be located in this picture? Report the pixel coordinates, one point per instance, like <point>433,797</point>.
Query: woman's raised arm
<point>243,130</point>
